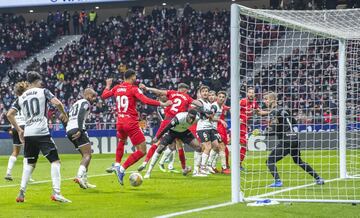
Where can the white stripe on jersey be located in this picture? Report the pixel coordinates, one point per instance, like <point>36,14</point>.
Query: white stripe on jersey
<point>217,114</point>
<point>74,113</point>
<point>183,124</point>
<point>205,123</point>
<point>33,105</point>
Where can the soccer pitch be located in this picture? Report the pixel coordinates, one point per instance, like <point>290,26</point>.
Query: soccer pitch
<point>163,194</point>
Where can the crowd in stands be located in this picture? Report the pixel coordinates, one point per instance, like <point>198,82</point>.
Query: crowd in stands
<point>166,48</point>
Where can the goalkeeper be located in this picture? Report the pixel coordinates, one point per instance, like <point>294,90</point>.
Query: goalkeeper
<point>281,124</point>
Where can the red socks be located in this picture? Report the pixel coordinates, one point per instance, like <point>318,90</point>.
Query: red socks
<point>150,152</point>
<point>242,153</point>
<point>227,157</point>
<point>182,158</point>
<point>133,158</point>
<point>119,151</point>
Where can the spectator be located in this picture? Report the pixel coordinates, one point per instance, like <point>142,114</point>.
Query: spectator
<point>75,18</point>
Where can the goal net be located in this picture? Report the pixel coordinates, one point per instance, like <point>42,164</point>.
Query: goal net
<point>311,60</point>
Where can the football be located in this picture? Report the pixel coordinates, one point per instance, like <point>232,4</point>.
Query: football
<point>135,179</point>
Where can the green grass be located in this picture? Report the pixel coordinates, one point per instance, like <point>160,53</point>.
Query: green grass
<point>164,193</point>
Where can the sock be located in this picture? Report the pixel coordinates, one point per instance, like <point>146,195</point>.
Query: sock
<point>119,151</point>
<point>11,163</point>
<point>227,156</point>
<point>172,159</point>
<point>197,160</point>
<point>223,159</point>
<point>211,158</point>
<point>133,158</point>
<point>55,176</point>
<point>204,159</point>
<point>242,153</point>
<point>153,161</point>
<point>213,164</point>
<point>182,158</point>
<point>81,171</point>
<point>27,171</point>
<point>150,152</point>
<point>117,164</point>
<point>166,154</point>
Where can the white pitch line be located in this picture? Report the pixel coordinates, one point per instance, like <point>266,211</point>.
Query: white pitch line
<point>289,189</point>
<point>195,210</point>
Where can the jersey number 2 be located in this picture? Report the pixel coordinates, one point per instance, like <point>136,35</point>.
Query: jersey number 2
<point>122,102</point>
<point>177,103</point>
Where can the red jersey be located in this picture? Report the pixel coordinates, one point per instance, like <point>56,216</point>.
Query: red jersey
<point>224,110</point>
<point>246,107</point>
<point>126,96</point>
<point>181,102</point>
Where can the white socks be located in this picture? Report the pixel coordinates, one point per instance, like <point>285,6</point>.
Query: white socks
<point>153,161</point>
<point>55,176</point>
<point>204,159</point>
<point>11,163</point>
<point>197,160</point>
<point>27,171</point>
<point>211,157</point>
<point>166,154</point>
<point>222,159</point>
<point>82,171</point>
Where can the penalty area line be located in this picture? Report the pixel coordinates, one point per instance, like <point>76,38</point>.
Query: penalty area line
<point>195,210</point>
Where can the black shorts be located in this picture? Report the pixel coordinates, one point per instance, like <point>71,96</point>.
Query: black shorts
<point>15,136</point>
<point>35,144</point>
<point>81,141</point>
<point>208,135</point>
<point>170,136</point>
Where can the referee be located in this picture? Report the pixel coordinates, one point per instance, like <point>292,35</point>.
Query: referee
<point>281,125</point>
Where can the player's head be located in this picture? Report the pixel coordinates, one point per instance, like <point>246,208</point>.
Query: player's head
<point>212,96</point>
<point>90,95</point>
<point>163,98</point>
<point>198,96</point>
<point>204,92</point>
<point>34,78</point>
<point>191,116</point>
<point>182,87</point>
<point>250,94</point>
<point>221,97</point>
<point>270,100</point>
<point>130,76</point>
<point>21,87</point>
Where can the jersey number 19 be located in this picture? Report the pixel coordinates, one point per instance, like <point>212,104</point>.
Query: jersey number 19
<point>122,103</point>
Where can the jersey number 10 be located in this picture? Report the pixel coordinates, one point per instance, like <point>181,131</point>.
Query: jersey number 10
<point>122,103</point>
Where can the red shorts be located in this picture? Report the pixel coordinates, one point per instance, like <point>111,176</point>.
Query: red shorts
<point>162,126</point>
<point>223,133</point>
<point>243,134</point>
<point>131,129</point>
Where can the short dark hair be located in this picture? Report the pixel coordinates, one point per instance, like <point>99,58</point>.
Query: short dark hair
<point>183,85</point>
<point>193,112</point>
<point>204,87</point>
<point>212,91</point>
<point>222,93</point>
<point>33,76</point>
<point>129,73</point>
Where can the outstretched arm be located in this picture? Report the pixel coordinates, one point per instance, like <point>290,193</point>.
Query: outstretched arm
<point>107,93</point>
<point>153,90</point>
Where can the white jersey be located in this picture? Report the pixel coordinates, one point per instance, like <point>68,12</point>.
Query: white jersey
<point>180,123</point>
<point>20,119</point>
<point>78,114</point>
<point>217,114</point>
<point>33,105</point>
<point>205,123</point>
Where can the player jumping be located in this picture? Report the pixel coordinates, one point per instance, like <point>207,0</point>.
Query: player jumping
<point>126,94</point>
<point>76,132</point>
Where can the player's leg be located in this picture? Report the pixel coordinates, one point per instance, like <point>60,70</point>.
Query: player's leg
<point>243,143</point>
<point>182,158</point>
<point>227,153</point>
<point>138,140</point>
<point>160,149</point>
<point>119,153</point>
<point>166,155</point>
<point>85,150</point>
<point>12,160</point>
<point>171,157</point>
<point>194,143</point>
<point>278,153</point>
<point>296,156</point>
<point>31,153</point>
<point>205,137</point>
<point>222,156</point>
<point>214,151</point>
<point>48,148</point>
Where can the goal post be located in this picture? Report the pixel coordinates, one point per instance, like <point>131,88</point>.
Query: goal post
<point>311,60</point>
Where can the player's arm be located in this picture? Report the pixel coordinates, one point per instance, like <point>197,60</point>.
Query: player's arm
<point>173,123</point>
<point>57,103</point>
<point>196,103</point>
<point>107,93</point>
<point>11,117</point>
<point>138,94</point>
<point>153,90</point>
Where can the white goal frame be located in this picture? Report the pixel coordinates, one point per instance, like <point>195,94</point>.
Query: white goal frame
<point>236,195</point>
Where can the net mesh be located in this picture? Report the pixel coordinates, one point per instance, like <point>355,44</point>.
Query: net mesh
<point>295,54</point>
